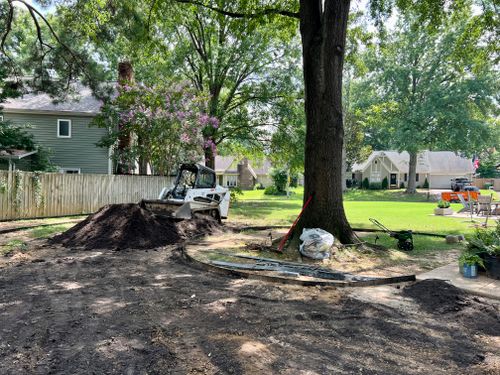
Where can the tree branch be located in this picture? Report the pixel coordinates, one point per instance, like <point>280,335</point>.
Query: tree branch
<point>8,29</point>
<point>34,12</point>
<point>263,12</point>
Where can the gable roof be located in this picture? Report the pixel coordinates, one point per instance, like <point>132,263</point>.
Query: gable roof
<point>222,163</point>
<point>84,104</point>
<point>228,164</point>
<point>262,167</point>
<point>435,162</point>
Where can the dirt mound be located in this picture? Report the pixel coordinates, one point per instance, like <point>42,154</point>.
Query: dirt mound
<point>128,226</point>
<point>440,297</point>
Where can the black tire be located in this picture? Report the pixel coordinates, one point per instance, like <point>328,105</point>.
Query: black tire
<point>216,215</point>
<point>405,245</point>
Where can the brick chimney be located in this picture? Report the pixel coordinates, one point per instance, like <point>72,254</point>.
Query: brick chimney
<point>245,177</point>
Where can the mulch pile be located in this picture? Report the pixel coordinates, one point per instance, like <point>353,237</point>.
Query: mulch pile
<point>128,226</point>
<point>439,297</point>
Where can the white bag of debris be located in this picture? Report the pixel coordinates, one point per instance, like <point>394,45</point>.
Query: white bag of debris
<point>316,243</point>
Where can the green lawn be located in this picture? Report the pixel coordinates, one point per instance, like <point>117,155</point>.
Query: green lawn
<point>48,231</point>
<point>391,207</point>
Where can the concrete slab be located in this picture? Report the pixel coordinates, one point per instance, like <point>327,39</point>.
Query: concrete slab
<point>481,286</point>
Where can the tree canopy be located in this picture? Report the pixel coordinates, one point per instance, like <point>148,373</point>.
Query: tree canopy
<point>237,53</point>
<point>427,93</point>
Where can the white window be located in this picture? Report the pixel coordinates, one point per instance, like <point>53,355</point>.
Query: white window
<point>63,128</point>
<point>231,181</point>
<point>376,172</point>
<point>70,170</point>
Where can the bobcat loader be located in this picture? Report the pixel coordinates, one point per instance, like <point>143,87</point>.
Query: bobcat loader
<point>195,191</point>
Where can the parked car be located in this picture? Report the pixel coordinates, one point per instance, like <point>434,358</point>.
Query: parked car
<point>459,183</point>
<point>470,188</point>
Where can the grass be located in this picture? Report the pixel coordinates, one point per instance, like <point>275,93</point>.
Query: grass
<point>393,208</point>
<point>44,232</point>
<point>11,246</point>
<point>423,244</point>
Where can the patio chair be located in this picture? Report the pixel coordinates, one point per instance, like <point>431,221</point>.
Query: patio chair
<point>468,205</point>
<point>484,204</point>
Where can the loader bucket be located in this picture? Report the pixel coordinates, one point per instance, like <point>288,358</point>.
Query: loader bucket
<point>177,210</point>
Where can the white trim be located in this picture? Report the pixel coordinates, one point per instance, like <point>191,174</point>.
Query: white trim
<point>58,132</point>
<point>65,170</point>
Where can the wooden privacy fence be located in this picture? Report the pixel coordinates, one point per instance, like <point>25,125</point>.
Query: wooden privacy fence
<point>480,183</point>
<point>26,195</point>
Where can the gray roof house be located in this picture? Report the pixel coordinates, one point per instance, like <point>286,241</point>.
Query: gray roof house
<point>64,129</point>
<point>232,171</point>
<point>438,167</point>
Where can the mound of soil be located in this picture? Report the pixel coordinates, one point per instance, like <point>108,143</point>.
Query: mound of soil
<point>442,298</point>
<point>128,226</point>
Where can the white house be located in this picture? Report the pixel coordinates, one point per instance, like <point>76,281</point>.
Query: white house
<point>438,167</point>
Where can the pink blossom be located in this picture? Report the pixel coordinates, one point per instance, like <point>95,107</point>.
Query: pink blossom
<point>209,143</point>
<point>214,122</point>
<point>204,119</point>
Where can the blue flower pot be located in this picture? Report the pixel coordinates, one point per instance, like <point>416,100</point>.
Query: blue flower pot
<point>469,272</point>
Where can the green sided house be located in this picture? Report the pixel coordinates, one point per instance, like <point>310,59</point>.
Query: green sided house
<point>63,128</point>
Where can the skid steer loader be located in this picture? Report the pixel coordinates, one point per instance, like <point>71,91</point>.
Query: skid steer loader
<point>195,191</point>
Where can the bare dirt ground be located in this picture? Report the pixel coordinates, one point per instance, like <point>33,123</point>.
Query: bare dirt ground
<point>380,263</point>
<point>67,311</point>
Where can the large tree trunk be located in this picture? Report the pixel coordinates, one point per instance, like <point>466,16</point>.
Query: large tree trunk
<point>125,77</point>
<point>344,169</point>
<point>143,161</point>
<point>211,133</point>
<point>209,158</point>
<point>323,42</point>
<point>412,174</point>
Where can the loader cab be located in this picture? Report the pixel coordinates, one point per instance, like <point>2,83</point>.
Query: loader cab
<point>192,176</point>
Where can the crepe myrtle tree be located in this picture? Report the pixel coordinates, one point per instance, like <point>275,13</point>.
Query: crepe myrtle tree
<point>167,126</point>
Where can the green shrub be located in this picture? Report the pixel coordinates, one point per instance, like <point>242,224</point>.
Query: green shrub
<point>485,241</point>
<point>258,186</point>
<point>234,193</point>
<point>376,186</point>
<point>402,185</point>
<point>469,259</point>
<point>385,183</point>
<point>366,183</point>
<point>426,184</point>
<point>280,179</point>
<point>443,204</point>
<point>272,190</point>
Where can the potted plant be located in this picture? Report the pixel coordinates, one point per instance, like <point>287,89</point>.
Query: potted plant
<point>468,264</point>
<point>486,244</point>
<point>443,208</point>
